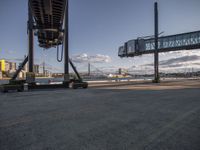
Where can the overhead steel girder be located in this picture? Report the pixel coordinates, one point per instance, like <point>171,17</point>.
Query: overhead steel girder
<point>184,41</point>
<point>48,20</point>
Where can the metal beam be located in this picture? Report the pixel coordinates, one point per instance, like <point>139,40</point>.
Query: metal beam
<point>66,42</point>
<point>31,40</point>
<point>156,56</point>
<point>21,66</point>
<point>183,41</point>
<point>48,14</point>
<point>76,72</point>
<point>48,7</point>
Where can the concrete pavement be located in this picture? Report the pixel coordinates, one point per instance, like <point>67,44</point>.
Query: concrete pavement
<point>101,119</point>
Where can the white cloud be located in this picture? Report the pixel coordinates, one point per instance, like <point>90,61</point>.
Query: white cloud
<point>179,61</point>
<point>94,59</point>
<point>80,58</point>
<point>100,58</point>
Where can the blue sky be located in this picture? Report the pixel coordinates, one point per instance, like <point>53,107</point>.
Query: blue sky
<point>100,27</point>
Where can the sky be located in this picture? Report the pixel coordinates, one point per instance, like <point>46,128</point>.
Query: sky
<point>98,27</point>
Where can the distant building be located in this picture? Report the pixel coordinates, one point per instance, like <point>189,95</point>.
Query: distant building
<point>1,75</point>
<point>25,68</point>
<point>7,66</point>
<point>36,69</point>
<point>22,75</point>
<point>2,65</point>
<point>12,66</point>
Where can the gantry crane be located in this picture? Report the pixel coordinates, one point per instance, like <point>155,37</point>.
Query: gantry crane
<point>48,20</point>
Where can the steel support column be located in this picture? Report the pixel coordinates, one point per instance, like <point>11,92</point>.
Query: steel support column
<point>66,43</point>
<point>30,76</point>
<point>30,41</point>
<point>156,55</point>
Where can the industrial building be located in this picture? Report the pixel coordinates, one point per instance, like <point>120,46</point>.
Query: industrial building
<point>36,69</point>
<point>12,66</point>
<point>6,66</point>
<point>2,65</point>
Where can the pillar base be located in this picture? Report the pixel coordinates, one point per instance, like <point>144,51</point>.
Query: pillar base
<point>66,80</point>
<point>157,80</point>
<point>30,77</point>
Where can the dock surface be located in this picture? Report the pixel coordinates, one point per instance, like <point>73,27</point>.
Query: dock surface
<point>165,116</point>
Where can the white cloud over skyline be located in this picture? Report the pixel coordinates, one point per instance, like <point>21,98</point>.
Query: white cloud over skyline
<point>177,61</point>
<point>98,58</point>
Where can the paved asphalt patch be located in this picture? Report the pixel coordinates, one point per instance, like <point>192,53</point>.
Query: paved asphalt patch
<point>101,119</point>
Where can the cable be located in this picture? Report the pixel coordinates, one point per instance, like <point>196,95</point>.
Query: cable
<point>61,58</point>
